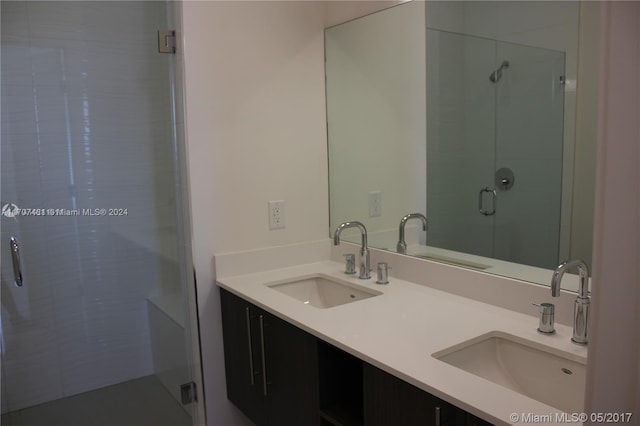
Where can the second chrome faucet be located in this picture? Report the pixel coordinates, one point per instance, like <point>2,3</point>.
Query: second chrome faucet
<point>401,247</point>
<point>581,306</point>
<point>365,267</point>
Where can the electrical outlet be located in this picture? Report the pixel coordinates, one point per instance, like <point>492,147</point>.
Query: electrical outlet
<point>375,203</point>
<point>276,214</point>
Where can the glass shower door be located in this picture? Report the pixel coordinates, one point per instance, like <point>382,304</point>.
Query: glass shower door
<point>461,115</point>
<point>529,141</point>
<point>494,148</point>
<point>96,331</point>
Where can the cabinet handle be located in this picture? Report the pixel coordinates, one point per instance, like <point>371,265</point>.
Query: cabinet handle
<point>264,359</point>
<point>251,375</point>
<point>437,415</point>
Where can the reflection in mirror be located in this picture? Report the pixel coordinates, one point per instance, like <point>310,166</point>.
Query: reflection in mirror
<point>494,134</point>
<point>466,112</point>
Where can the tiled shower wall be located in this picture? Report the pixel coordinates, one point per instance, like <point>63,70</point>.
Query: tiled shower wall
<point>86,124</point>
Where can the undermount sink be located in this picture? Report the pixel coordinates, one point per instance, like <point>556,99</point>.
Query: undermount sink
<point>322,291</point>
<point>522,366</point>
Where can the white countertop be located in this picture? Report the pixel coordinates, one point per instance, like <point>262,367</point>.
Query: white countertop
<point>400,329</point>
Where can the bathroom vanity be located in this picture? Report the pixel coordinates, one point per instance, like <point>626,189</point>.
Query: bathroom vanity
<point>298,351</point>
<point>278,374</point>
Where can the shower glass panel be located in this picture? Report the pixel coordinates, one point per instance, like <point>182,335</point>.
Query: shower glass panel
<point>494,107</point>
<point>529,141</point>
<point>461,133</point>
<point>97,331</point>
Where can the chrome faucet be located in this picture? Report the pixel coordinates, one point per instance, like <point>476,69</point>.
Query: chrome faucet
<point>581,307</point>
<point>365,269</point>
<point>402,245</point>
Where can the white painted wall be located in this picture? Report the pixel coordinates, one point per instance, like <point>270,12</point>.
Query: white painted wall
<point>255,93</point>
<point>613,370</point>
<point>342,11</point>
<point>254,77</point>
<point>376,109</point>
<point>581,242</point>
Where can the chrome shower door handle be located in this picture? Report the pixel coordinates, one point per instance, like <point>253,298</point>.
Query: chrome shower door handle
<point>15,257</point>
<point>481,201</point>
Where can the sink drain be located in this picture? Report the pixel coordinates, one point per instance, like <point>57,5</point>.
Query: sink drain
<point>566,371</point>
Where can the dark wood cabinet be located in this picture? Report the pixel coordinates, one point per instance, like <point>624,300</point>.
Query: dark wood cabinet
<point>389,401</point>
<point>271,366</point>
<point>292,374</point>
<point>242,356</point>
<point>279,375</point>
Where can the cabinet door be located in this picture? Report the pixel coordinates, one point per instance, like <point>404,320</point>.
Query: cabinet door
<point>389,401</point>
<point>256,342</point>
<point>242,356</point>
<point>471,420</point>
<point>291,363</point>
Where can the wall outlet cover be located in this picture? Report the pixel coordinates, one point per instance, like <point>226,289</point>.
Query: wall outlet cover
<point>276,214</point>
<point>375,204</point>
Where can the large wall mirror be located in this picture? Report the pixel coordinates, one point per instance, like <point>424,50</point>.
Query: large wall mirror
<point>480,116</point>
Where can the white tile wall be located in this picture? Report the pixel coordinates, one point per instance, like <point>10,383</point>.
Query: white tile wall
<point>86,124</point>
<point>236,122</point>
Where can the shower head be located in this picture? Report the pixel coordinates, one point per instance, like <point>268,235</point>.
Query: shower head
<point>497,74</point>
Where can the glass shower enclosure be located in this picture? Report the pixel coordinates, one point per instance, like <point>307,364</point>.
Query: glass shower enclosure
<point>494,148</point>
<point>96,270</point>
